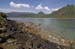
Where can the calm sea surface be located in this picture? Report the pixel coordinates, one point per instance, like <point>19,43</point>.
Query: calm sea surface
<point>64,27</point>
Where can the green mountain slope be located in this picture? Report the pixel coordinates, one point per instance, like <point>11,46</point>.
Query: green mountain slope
<point>65,12</point>
<point>26,15</point>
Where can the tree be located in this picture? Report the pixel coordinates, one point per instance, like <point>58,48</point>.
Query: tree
<point>3,18</point>
<point>3,15</point>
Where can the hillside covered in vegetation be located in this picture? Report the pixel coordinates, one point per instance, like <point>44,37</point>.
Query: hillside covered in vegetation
<point>65,12</point>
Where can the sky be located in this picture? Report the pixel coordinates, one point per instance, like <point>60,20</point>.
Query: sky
<point>35,6</point>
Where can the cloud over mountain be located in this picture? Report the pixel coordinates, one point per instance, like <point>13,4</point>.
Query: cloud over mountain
<point>39,7</point>
<point>46,8</point>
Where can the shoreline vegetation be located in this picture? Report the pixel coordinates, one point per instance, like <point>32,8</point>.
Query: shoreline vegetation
<point>15,35</point>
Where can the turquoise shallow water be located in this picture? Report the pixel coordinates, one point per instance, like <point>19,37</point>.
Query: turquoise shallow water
<point>64,27</point>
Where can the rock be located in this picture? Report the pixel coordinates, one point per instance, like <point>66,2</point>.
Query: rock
<point>1,48</point>
<point>25,39</point>
<point>2,39</point>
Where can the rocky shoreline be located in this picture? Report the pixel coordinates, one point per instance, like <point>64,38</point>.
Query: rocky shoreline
<point>25,36</point>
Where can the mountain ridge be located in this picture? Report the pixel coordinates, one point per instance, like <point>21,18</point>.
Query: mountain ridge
<point>65,12</point>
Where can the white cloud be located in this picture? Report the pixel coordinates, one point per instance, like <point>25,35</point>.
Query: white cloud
<point>13,4</point>
<point>40,7</point>
<point>53,9</point>
<point>45,8</point>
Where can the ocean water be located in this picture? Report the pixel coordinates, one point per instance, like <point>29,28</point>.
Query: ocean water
<point>63,27</point>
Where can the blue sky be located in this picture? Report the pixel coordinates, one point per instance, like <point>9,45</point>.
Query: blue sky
<point>35,6</point>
